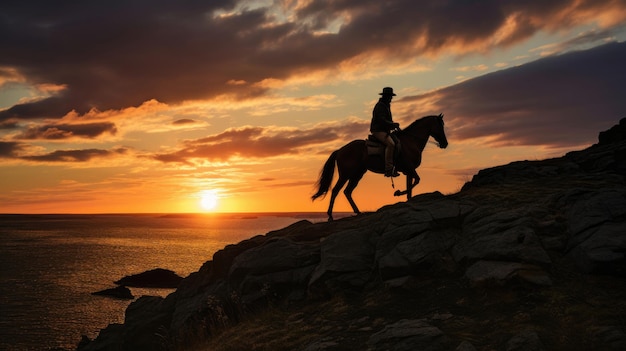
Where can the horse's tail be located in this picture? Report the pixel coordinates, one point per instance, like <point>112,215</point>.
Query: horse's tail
<point>326,176</point>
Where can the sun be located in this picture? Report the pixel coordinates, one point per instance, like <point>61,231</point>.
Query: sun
<point>208,199</point>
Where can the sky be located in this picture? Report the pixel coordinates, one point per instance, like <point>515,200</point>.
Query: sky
<point>234,106</point>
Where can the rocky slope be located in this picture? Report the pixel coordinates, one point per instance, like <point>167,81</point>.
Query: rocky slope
<point>527,256</point>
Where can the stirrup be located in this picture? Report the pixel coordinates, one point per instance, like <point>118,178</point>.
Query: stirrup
<point>392,173</point>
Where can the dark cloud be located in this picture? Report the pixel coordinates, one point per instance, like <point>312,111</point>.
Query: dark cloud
<point>52,107</point>
<point>12,150</point>
<point>557,101</point>
<point>9,149</point>
<point>75,155</point>
<point>66,131</point>
<point>115,54</point>
<point>8,124</point>
<point>262,142</point>
<point>183,121</point>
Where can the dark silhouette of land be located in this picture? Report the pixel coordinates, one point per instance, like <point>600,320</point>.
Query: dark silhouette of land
<point>527,256</point>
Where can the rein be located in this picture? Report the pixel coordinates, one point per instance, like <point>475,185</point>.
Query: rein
<point>433,142</point>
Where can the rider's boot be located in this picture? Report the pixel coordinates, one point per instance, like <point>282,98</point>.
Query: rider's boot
<point>391,172</point>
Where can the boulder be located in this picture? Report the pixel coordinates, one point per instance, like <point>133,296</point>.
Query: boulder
<point>346,260</point>
<point>465,346</point>
<point>596,230</point>
<point>525,341</point>
<point>490,273</point>
<point>611,338</point>
<point>274,269</point>
<point>409,335</point>
<point>615,134</point>
<point>144,319</point>
<point>109,338</point>
<point>515,243</point>
<point>275,255</point>
<point>156,278</point>
<point>321,345</point>
<point>120,292</point>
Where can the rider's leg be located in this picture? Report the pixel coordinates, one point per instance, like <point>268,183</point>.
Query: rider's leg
<point>389,149</point>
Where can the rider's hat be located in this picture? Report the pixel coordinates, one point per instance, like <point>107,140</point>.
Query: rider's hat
<point>387,91</point>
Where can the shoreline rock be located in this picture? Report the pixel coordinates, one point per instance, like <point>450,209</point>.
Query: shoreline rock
<point>120,292</point>
<point>155,278</point>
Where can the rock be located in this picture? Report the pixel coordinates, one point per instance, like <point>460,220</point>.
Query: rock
<point>321,345</point>
<point>525,341</point>
<point>465,346</point>
<point>425,251</point>
<point>276,255</point>
<point>610,338</point>
<point>289,284</point>
<point>409,335</point>
<point>615,134</point>
<point>278,268</point>
<point>596,231</point>
<point>420,241</point>
<point>120,292</point>
<point>109,338</point>
<point>497,242</point>
<point>223,259</point>
<point>144,319</point>
<point>84,341</point>
<point>196,281</point>
<point>346,260</point>
<point>487,273</point>
<point>156,278</point>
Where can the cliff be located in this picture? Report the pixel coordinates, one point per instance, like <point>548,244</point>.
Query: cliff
<point>527,256</point>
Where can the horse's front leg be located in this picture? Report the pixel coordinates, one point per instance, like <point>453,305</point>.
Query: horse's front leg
<point>412,179</point>
<point>411,182</point>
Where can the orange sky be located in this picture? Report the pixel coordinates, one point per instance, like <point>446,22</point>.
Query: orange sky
<point>119,108</point>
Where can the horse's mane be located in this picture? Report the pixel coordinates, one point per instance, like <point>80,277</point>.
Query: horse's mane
<point>417,123</point>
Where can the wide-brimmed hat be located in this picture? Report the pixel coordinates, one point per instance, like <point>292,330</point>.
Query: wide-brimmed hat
<point>387,91</point>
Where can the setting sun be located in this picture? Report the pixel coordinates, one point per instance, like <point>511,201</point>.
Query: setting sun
<point>208,199</point>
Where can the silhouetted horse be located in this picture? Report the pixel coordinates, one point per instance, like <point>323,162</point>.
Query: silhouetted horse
<point>353,160</point>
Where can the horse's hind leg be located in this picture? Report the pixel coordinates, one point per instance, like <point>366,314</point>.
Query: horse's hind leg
<point>350,188</point>
<point>333,195</point>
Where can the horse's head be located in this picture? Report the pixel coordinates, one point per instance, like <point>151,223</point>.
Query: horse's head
<point>437,131</point>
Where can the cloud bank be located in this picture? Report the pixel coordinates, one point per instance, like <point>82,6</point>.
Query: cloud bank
<point>117,54</point>
<point>557,101</point>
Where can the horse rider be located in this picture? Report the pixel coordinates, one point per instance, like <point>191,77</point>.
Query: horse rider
<point>381,127</point>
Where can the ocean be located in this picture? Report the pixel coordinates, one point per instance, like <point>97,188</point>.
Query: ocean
<point>50,265</point>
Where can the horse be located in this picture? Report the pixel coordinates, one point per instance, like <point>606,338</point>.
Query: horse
<point>353,161</point>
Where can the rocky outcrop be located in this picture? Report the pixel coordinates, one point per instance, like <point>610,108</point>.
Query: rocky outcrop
<point>520,227</point>
<point>155,278</point>
<point>120,292</point>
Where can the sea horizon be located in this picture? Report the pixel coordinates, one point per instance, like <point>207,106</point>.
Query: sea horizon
<point>260,213</point>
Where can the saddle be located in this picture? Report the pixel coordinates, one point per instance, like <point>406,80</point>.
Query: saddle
<point>376,147</point>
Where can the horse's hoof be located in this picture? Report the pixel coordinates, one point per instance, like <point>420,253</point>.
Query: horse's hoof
<point>330,219</point>
<point>397,193</point>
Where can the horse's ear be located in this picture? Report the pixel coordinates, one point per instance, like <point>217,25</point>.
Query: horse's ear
<point>441,115</point>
